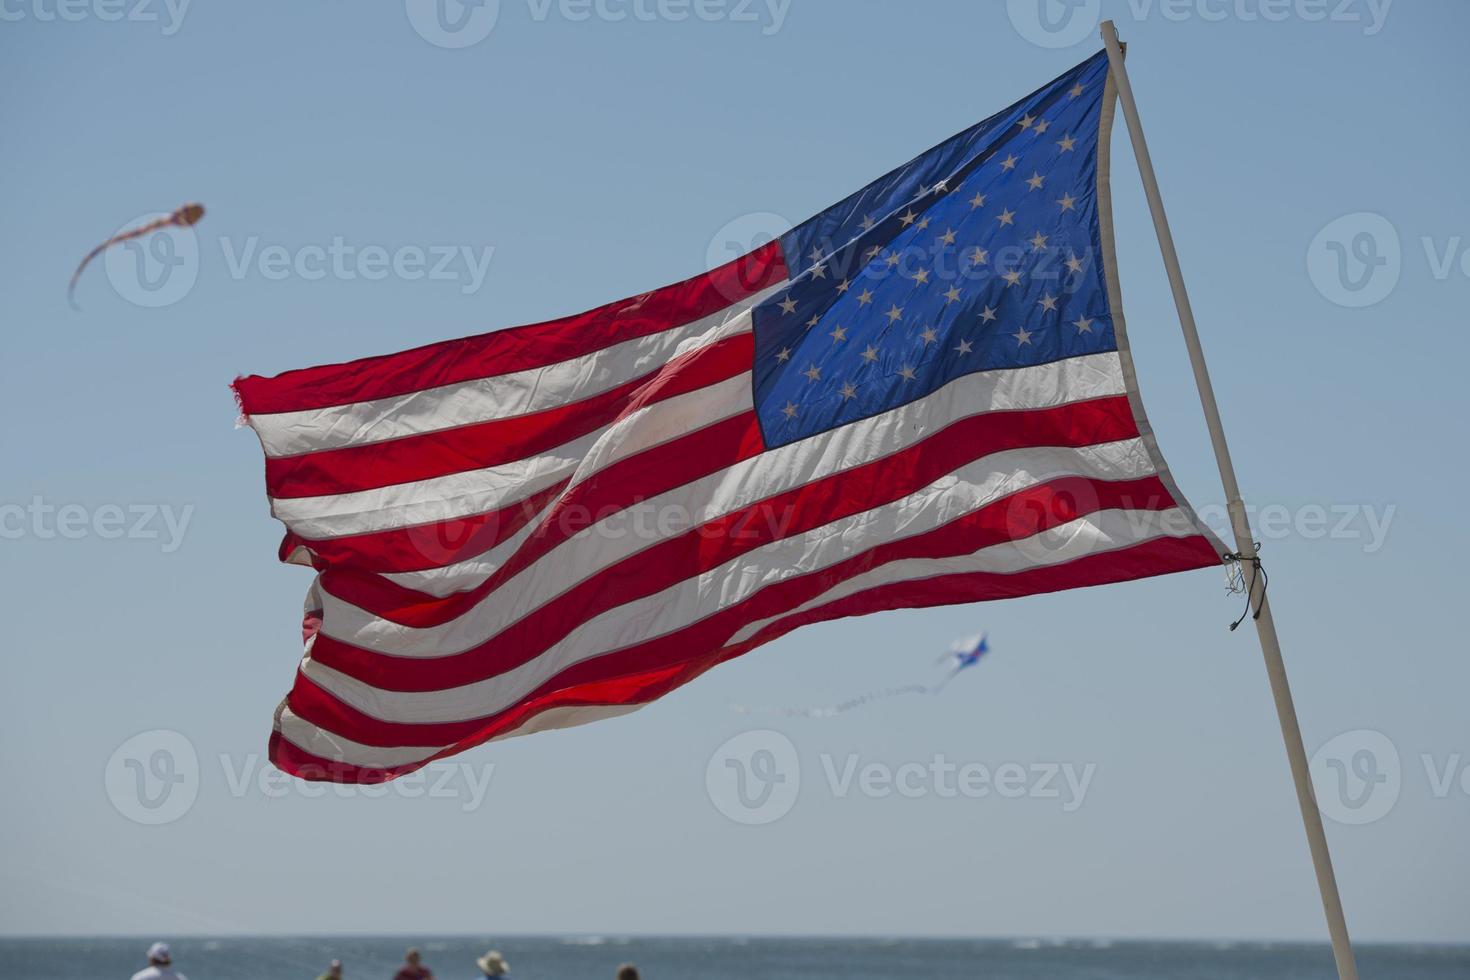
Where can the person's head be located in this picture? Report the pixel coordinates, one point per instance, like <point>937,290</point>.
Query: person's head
<point>412,956</point>
<point>627,972</point>
<point>492,964</point>
<point>159,955</point>
<point>334,968</point>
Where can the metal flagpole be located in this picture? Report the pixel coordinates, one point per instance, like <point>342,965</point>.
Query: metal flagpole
<point>1342,948</point>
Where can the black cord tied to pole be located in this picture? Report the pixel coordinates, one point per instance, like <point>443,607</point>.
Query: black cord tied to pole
<point>1239,583</point>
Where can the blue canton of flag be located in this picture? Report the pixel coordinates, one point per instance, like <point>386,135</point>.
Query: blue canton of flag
<point>981,254</point>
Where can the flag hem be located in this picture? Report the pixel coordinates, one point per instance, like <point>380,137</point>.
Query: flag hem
<point>1114,286</point>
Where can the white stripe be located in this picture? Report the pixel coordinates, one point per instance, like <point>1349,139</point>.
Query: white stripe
<point>448,579</point>
<point>464,403</point>
<point>793,465</point>
<point>329,745</point>
<point>425,501</point>
<point>653,425</point>
<point>568,717</point>
<point>695,598</point>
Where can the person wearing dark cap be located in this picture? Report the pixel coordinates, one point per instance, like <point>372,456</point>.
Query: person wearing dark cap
<point>627,972</point>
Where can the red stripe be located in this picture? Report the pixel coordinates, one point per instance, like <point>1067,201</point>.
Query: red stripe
<point>424,546</point>
<point>634,676</point>
<point>709,545</point>
<point>634,689</point>
<point>478,445</point>
<point>515,349</point>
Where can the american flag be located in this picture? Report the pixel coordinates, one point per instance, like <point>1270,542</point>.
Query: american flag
<point>921,395</point>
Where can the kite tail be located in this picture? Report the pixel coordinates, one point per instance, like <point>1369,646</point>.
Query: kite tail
<point>837,709</point>
<point>182,218</point>
<point>967,651</point>
<point>71,287</point>
<point>945,683</point>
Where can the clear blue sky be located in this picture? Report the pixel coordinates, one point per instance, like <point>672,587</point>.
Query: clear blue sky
<point>601,157</point>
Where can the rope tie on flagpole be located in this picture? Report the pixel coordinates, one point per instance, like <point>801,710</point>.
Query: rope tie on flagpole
<point>1238,583</point>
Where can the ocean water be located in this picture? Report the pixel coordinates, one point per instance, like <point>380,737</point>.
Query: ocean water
<point>597,958</point>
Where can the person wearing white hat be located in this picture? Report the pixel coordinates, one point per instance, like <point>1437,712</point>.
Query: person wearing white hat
<point>492,964</point>
<point>160,965</point>
<point>334,971</point>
